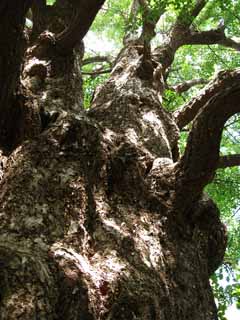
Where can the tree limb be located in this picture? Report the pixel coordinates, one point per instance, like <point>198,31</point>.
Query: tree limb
<point>216,36</point>
<point>182,34</point>
<point>86,11</point>
<point>201,157</point>
<point>229,161</point>
<point>38,9</point>
<point>148,31</point>
<point>230,43</point>
<point>187,113</point>
<point>185,86</point>
<point>96,72</point>
<point>178,36</point>
<point>97,59</point>
<point>133,10</point>
<point>191,15</point>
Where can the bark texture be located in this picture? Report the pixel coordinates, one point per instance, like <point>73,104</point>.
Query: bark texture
<point>12,43</point>
<point>52,75</point>
<point>100,218</point>
<point>92,232</point>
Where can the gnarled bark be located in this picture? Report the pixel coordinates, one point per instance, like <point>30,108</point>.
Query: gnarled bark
<point>99,218</point>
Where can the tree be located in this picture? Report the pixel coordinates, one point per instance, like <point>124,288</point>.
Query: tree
<point>101,217</point>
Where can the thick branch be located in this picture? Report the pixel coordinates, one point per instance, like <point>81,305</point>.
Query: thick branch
<point>149,20</point>
<point>188,112</point>
<point>200,4</point>
<point>178,36</point>
<point>191,16</point>
<point>230,43</point>
<point>200,160</point>
<point>148,32</point>
<point>229,161</point>
<point>86,11</point>
<point>209,37</point>
<point>185,86</point>
<point>97,59</point>
<point>182,34</point>
<point>134,10</point>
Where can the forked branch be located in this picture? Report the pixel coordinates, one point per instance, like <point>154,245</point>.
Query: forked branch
<point>201,157</point>
<point>188,112</point>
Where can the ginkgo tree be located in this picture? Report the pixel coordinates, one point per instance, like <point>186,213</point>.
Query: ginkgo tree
<point>111,162</point>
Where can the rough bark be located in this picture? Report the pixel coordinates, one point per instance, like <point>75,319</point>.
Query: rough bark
<point>12,45</point>
<point>99,218</point>
<point>94,246</point>
<point>201,156</point>
<point>48,73</point>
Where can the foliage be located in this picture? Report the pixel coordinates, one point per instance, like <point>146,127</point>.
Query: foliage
<point>113,19</point>
<point>50,2</point>
<point>90,84</point>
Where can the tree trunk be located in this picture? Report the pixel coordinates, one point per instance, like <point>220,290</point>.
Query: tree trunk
<point>12,43</point>
<point>92,224</point>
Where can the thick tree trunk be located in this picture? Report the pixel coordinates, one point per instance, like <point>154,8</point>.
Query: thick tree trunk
<point>89,224</point>
<point>87,227</point>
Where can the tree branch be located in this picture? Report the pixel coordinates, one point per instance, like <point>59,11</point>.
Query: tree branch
<point>229,161</point>
<point>86,11</point>
<point>178,36</point>
<point>216,36</point>
<point>182,34</point>
<point>201,157</point>
<point>230,43</point>
<point>38,9</point>
<point>97,59</point>
<point>149,20</point>
<point>187,113</point>
<point>148,31</point>
<point>185,86</point>
<point>134,9</point>
<point>96,72</point>
<point>191,15</point>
